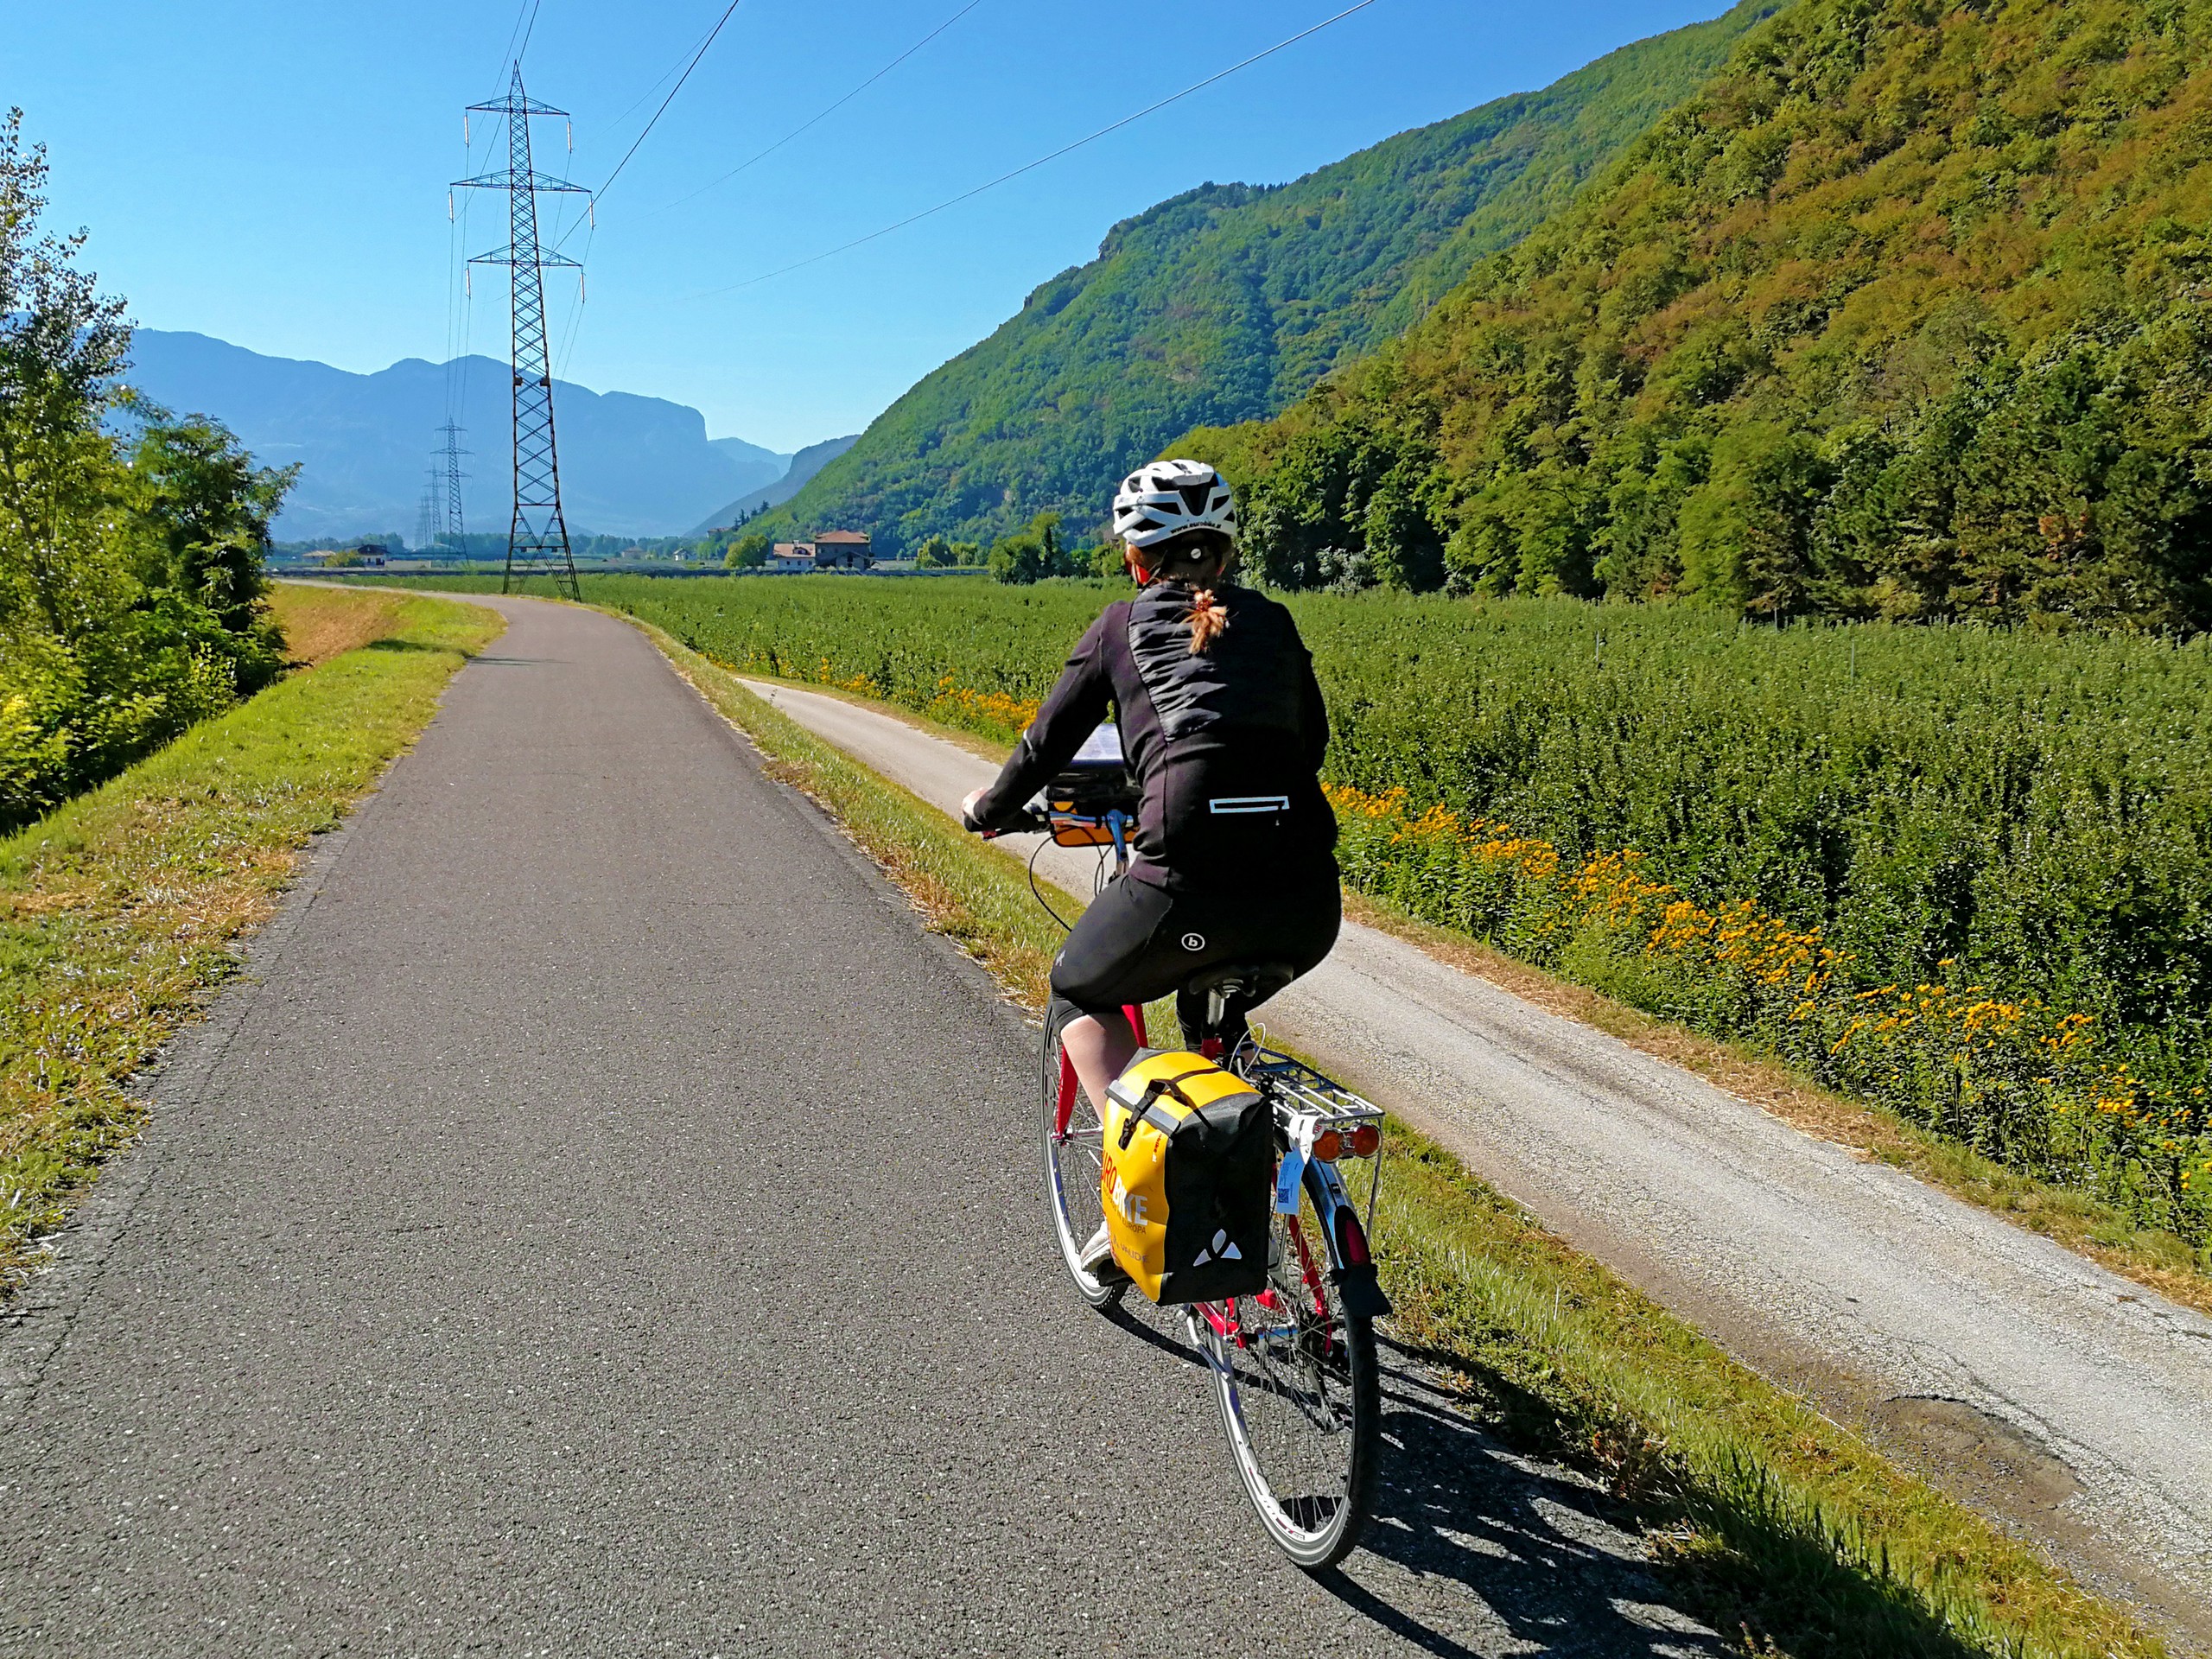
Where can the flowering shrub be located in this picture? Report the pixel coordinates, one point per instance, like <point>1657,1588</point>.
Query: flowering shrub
<point>2034,1086</point>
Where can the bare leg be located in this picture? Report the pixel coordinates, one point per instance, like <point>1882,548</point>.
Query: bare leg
<point>1100,1050</point>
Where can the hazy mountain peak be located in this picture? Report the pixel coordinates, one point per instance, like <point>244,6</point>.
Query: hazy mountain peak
<point>631,464</point>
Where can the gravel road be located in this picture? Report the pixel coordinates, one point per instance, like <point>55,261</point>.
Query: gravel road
<point>604,1223</point>
<point>2029,1381</point>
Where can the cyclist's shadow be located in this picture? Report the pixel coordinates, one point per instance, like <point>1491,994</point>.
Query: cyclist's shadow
<point>1470,1540</point>
<point>1488,1543</point>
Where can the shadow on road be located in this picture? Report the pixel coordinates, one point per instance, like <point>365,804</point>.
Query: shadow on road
<point>1462,1522</point>
<point>1475,1549</point>
<point>1479,1547</point>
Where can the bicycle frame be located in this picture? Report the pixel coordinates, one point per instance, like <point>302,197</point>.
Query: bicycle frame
<point>1344,1236</point>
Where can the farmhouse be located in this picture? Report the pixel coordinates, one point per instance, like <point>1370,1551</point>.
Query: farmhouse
<point>842,550</point>
<point>833,550</point>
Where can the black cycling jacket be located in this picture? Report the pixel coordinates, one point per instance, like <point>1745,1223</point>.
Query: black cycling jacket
<point>1225,744</point>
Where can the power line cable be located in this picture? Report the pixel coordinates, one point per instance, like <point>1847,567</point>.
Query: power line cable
<point>530,30</point>
<point>665,102</point>
<point>825,113</point>
<point>643,98</point>
<point>528,8</point>
<point>1030,167</point>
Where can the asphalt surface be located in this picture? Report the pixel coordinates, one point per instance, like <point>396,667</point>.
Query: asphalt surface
<point>605,1223</point>
<point>2062,1398</point>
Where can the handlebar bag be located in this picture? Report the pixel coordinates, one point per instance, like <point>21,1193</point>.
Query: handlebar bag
<point>1188,1178</point>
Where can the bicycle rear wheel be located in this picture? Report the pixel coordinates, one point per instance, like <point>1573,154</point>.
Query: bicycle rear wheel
<point>1075,1150</point>
<point>1301,1398</point>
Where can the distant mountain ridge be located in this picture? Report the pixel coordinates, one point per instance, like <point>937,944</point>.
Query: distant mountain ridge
<point>630,465</point>
<point>1228,302</point>
<point>803,465</point>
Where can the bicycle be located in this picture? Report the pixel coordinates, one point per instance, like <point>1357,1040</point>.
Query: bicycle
<point>1293,1366</point>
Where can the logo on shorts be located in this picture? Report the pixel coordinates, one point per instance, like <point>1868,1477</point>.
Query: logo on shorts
<point>1194,941</point>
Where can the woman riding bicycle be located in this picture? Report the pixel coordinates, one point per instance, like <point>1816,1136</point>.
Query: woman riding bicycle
<point>1224,729</point>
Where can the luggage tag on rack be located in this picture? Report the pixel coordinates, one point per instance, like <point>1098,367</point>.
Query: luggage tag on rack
<point>1291,1174</point>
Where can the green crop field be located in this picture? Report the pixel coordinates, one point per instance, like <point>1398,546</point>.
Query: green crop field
<point>1965,872</point>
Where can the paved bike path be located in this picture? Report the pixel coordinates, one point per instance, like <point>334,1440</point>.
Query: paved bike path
<point>606,1223</point>
<point>2070,1401</point>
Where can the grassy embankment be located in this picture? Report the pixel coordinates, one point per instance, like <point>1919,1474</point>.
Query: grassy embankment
<point>1933,893</point>
<point>1791,1533</point>
<point>121,910</point>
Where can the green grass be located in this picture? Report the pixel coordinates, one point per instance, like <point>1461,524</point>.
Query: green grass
<point>121,911</point>
<point>1787,1532</point>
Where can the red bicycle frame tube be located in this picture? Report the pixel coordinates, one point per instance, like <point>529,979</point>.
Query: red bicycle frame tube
<point>1064,1105</point>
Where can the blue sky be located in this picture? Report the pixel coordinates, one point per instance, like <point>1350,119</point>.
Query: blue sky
<point>274,172</point>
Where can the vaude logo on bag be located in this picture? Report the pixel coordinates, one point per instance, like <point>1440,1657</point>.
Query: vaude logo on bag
<point>1223,1248</point>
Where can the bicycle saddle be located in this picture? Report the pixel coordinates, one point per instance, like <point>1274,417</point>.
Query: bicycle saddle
<point>1255,981</point>
<point>1213,1002</point>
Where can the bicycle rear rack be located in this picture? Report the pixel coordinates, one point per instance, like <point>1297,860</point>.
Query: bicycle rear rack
<point>1302,1089</point>
<point>1292,1085</point>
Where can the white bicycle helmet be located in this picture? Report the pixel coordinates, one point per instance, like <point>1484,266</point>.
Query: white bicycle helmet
<point>1165,498</point>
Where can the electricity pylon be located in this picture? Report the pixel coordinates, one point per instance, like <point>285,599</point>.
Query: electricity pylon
<point>538,537</point>
<point>454,528</point>
<point>426,515</point>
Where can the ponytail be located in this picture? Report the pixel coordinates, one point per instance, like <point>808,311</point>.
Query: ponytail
<point>1209,618</point>
<point>1201,558</point>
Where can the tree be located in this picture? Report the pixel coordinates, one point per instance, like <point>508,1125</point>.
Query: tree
<point>747,552</point>
<point>1035,553</point>
<point>131,583</point>
<point>208,508</point>
<point>61,345</point>
<point>934,553</point>
<point>1017,561</point>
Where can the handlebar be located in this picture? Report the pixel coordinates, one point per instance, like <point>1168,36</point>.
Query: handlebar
<point>1033,823</point>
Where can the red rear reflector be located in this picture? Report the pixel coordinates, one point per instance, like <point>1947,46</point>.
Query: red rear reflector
<point>1364,1140</point>
<point>1328,1146</point>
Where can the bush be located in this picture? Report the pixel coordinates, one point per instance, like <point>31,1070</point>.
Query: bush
<point>131,591</point>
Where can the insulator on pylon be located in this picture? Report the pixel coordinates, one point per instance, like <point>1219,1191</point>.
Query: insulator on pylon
<point>570,127</point>
<point>591,211</point>
<point>580,288</point>
<point>448,207</point>
<point>468,280</point>
<point>464,130</point>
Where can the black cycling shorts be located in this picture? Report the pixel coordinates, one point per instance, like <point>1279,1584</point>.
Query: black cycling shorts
<point>1137,942</point>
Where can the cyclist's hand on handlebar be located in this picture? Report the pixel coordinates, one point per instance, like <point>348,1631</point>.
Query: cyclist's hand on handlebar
<point>968,809</point>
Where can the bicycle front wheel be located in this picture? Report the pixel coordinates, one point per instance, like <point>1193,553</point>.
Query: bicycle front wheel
<point>1301,1398</point>
<point>1074,1152</point>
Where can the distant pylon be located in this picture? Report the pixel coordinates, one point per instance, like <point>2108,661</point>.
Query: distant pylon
<point>537,536</point>
<point>454,529</point>
<point>426,516</point>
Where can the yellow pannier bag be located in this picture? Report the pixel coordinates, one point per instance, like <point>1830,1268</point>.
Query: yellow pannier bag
<point>1187,1179</point>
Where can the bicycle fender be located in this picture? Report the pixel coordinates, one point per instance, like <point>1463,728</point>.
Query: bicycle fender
<point>1351,1269</point>
<point>1362,1291</point>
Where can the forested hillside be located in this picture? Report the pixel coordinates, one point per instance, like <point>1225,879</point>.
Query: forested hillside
<point>1903,315</point>
<point>1228,302</point>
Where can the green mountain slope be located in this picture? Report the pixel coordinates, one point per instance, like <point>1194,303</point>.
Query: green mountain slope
<point>1228,302</point>
<point>1905,315</point>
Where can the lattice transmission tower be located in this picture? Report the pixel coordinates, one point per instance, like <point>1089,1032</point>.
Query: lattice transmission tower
<point>538,537</point>
<point>454,527</point>
<point>426,515</point>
